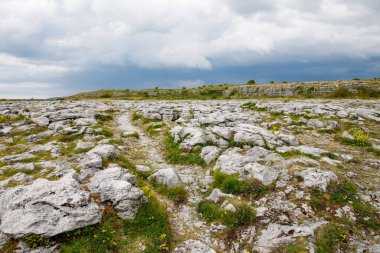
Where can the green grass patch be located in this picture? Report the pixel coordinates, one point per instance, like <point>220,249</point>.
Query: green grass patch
<point>153,129</point>
<point>332,238</point>
<point>243,216</point>
<point>102,118</point>
<point>252,106</point>
<point>107,236</point>
<point>234,185</point>
<point>174,154</point>
<point>361,139</point>
<point>177,194</point>
<point>343,192</point>
<point>151,226</point>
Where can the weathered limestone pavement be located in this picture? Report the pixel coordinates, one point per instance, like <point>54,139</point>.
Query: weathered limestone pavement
<point>308,168</point>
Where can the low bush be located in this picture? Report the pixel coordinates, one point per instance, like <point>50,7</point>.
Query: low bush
<point>341,92</point>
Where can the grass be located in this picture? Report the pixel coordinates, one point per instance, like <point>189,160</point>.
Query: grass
<point>11,119</point>
<point>232,184</point>
<point>177,194</point>
<point>174,154</point>
<point>331,238</point>
<point>243,216</point>
<point>132,135</point>
<point>360,138</point>
<point>153,129</point>
<point>102,118</point>
<point>136,117</point>
<point>343,192</point>
<point>107,236</point>
<point>151,227</point>
<point>252,106</point>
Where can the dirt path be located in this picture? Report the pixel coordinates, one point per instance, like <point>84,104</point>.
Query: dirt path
<point>185,221</point>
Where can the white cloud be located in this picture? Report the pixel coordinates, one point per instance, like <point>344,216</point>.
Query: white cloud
<point>25,90</point>
<point>190,83</point>
<point>45,38</point>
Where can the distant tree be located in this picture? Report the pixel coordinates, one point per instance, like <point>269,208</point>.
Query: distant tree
<point>251,82</point>
<point>284,82</point>
<point>271,82</point>
<point>183,88</point>
<point>356,79</point>
<point>156,88</point>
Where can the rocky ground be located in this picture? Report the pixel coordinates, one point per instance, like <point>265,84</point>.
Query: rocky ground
<point>190,176</point>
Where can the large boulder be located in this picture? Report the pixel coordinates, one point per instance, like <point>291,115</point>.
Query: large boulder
<point>167,177</point>
<point>47,208</point>
<point>116,186</point>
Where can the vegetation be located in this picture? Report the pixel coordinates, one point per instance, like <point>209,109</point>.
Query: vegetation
<point>331,238</point>
<point>151,227</point>
<point>301,90</point>
<point>253,106</point>
<point>177,194</point>
<point>243,216</point>
<point>174,154</point>
<point>107,236</point>
<point>343,192</point>
<point>234,185</point>
<point>360,138</point>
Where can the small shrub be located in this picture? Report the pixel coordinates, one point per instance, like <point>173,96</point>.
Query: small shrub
<point>341,92</point>
<point>366,92</point>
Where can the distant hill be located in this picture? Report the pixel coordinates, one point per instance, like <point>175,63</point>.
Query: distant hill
<point>365,88</point>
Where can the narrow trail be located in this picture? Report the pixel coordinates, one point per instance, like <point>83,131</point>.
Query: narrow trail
<point>184,219</point>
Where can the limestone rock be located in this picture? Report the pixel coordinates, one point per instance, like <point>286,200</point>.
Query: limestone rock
<point>313,177</point>
<point>167,177</point>
<point>116,185</point>
<point>47,208</point>
<point>193,246</point>
<point>210,153</point>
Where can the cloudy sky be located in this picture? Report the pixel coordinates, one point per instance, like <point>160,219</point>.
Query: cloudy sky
<point>58,47</point>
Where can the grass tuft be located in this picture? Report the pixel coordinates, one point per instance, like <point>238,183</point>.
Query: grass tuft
<point>175,155</point>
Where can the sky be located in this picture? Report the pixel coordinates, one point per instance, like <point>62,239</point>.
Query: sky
<point>51,48</point>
